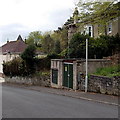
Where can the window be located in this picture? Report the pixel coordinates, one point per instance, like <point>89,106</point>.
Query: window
<point>89,31</point>
<point>109,27</point>
<point>55,76</point>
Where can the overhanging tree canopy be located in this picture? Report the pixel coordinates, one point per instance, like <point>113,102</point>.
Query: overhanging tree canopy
<point>98,12</point>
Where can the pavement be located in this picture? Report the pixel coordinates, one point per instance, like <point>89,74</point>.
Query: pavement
<point>96,97</point>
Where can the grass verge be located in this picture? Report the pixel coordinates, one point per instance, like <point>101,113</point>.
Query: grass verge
<point>109,71</point>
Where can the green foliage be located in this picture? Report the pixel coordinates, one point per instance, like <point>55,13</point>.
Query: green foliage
<point>28,64</point>
<point>98,12</point>
<point>29,53</point>
<point>42,73</point>
<point>57,48</point>
<point>109,71</point>
<point>61,36</point>
<point>29,57</point>
<point>69,21</point>
<point>77,46</point>
<point>34,38</point>
<point>53,56</point>
<point>106,45</point>
<point>16,67</point>
<point>115,43</point>
<point>47,44</point>
<point>64,53</point>
<point>45,63</point>
<point>97,48</point>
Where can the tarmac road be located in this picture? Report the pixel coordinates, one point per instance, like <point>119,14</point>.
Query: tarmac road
<point>24,103</point>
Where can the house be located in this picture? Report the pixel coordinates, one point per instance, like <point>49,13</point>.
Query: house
<point>11,50</point>
<point>93,28</point>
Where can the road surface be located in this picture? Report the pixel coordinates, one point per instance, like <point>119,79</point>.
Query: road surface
<point>24,103</point>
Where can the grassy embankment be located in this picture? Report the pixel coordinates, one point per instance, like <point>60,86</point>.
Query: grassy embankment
<point>109,71</point>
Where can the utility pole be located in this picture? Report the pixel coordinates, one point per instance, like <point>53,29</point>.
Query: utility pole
<point>86,77</point>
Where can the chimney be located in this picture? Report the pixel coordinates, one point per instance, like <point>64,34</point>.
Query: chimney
<point>25,40</point>
<point>7,40</point>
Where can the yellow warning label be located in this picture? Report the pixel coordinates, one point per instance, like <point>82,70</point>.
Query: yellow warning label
<point>65,69</point>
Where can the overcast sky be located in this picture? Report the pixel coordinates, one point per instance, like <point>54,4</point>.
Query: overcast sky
<point>24,16</point>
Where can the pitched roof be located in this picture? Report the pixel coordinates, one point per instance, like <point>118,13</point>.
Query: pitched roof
<point>17,46</point>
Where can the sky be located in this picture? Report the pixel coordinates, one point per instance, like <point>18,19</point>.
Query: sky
<point>25,16</point>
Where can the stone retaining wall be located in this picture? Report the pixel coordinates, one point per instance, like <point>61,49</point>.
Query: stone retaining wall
<point>101,84</point>
<point>39,81</point>
<point>98,84</point>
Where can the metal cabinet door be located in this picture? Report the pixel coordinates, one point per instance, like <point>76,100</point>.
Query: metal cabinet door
<point>68,75</point>
<point>55,76</point>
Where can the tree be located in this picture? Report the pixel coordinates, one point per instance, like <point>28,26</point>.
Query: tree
<point>106,45</point>
<point>64,38</point>
<point>61,36</point>
<point>97,48</point>
<point>35,38</point>
<point>77,46</point>
<point>98,12</point>
<point>29,57</point>
<point>57,49</point>
<point>47,44</point>
<point>69,21</point>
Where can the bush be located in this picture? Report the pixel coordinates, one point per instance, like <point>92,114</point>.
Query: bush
<point>42,64</point>
<point>77,46</point>
<point>45,63</point>
<point>16,67</point>
<point>64,53</point>
<point>100,47</point>
<point>53,56</point>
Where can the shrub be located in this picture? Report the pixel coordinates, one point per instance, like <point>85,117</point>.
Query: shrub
<point>64,53</point>
<point>53,56</point>
<point>106,45</point>
<point>16,67</point>
<point>100,47</point>
<point>77,46</point>
<point>45,63</point>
